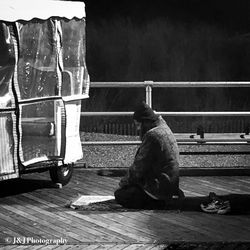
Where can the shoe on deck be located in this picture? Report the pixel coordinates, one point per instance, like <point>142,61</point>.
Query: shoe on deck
<point>216,205</point>
<point>225,208</point>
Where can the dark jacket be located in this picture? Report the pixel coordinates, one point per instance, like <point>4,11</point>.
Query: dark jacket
<point>157,155</point>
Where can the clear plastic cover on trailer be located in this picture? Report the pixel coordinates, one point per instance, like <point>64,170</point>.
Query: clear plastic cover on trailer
<point>43,78</point>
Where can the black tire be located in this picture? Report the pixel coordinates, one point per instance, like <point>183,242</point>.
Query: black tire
<point>62,174</point>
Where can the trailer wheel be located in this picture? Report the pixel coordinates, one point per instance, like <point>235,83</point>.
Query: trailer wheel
<point>62,174</point>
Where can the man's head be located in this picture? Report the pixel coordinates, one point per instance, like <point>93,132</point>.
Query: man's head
<point>144,113</point>
<point>144,117</point>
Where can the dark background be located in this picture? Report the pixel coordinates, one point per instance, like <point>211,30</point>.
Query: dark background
<point>171,40</point>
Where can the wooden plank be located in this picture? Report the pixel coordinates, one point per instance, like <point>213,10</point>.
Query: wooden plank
<point>105,246</point>
<point>191,187</point>
<point>233,182</point>
<point>157,247</point>
<point>227,226</point>
<point>91,246</point>
<point>133,226</point>
<point>219,185</point>
<point>85,226</point>
<point>64,247</point>
<point>10,230</point>
<point>3,236</point>
<point>119,246</point>
<point>86,188</point>
<point>180,221</point>
<point>244,180</point>
<point>211,186</point>
<point>94,179</point>
<point>206,224</point>
<point>18,247</point>
<point>7,247</point>
<point>49,202</point>
<point>106,223</point>
<point>195,193</point>
<point>76,228</point>
<point>98,231</point>
<point>166,229</point>
<point>55,230</point>
<point>134,247</point>
<point>52,247</point>
<point>98,187</point>
<point>27,227</point>
<point>137,226</point>
<point>36,247</point>
<point>123,227</point>
<point>84,246</point>
<point>26,219</point>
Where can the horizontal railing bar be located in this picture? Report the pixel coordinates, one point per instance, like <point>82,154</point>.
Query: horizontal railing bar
<point>169,84</point>
<point>115,143</point>
<point>209,113</point>
<point>180,142</point>
<point>215,153</point>
<point>213,143</point>
<point>118,84</point>
<point>107,113</point>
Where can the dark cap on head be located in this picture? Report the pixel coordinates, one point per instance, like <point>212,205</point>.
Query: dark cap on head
<point>144,112</point>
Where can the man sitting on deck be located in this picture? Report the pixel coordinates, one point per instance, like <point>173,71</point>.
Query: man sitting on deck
<point>153,178</point>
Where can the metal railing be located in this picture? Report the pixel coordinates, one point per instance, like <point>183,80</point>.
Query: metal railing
<point>149,85</point>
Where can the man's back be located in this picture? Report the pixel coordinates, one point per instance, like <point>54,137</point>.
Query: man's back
<point>163,148</point>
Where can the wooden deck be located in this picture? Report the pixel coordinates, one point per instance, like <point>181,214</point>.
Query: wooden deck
<point>32,209</point>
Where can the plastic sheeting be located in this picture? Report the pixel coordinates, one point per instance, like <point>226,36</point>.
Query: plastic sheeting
<point>38,73</point>
<point>7,145</point>
<point>8,136</point>
<point>75,81</point>
<point>42,131</point>
<point>14,10</point>
<point>37,67</point>
<point>73,151</point>
<point>7,64</point>
<point>47,67</point>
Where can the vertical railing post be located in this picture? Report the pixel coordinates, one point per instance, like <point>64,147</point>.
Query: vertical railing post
<point>148,85</point>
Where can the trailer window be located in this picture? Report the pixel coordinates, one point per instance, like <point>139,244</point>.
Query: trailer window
<point>75,74</point>
<point>7,62</point>
<point>37,75</point>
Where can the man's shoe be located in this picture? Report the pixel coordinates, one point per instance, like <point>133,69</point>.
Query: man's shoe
<point>225,208</point>
<point>212,207</point>
<point>216,205</point>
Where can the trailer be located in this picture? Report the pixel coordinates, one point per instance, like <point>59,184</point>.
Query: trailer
<point>43,79</point>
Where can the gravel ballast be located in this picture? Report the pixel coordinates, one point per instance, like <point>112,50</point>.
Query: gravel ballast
<point>121,156</point>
